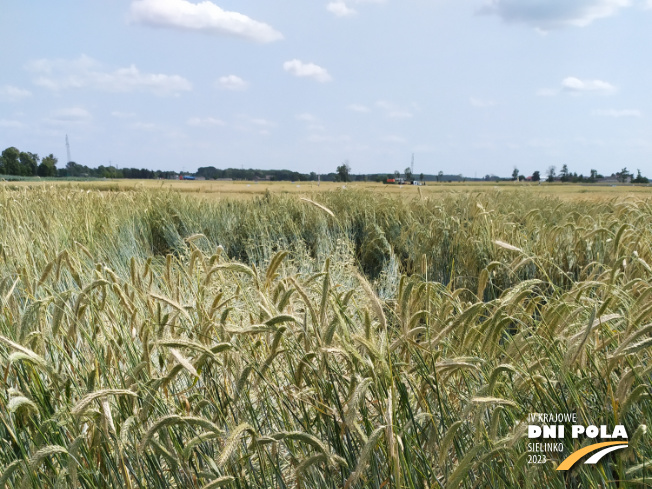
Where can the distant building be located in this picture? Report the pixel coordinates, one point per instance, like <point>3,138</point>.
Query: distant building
<point>403,181</point>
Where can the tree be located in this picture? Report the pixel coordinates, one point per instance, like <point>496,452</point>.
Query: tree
<point>515,174</point>
<point>536,176</point>
<point>640,178</point>
<point>10,161</point>
<point>594,175</point>
<point>551,174</point>
<point>48,166</point>
<point>109,172</point>
<point>408,174</point>
<point>421,177</point>
<point>440,176</point>
<point>623,175</point>
<point>28,163</point>
<point>76,170</point>
<point>343,172</point>
<point>563,174</point>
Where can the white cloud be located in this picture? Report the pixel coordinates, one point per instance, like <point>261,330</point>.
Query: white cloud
<point>575,85</point>
<point>232,82</point>
<point>202,17</point>
<point>306,117</point>
<point>259,125</point>
<point>144,126</point>
<point>204,122</point>
<point>358,108</point>
<point>542,143</point>
<point>72,115</point>
<point>12,94</point>
<point>486,144</point>
<point>340,9</point>
<point>394,111</point>
<point>307,70</point>
<point>323,138</point>
<point>553,14</point>
<point>85,72</point>
<point>590,142</point>
<point>617,113</point>
<point>480,103</point>
<point>259,121</point>
<point>547,92</point>
<point>312,122</point>
<point>11,124</point>
<point>400,114</point>
<point>394,139</point>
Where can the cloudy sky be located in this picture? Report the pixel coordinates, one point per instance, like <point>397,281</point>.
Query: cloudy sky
<point>471,87</point>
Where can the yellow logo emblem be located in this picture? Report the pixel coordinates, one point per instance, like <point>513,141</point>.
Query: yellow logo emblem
<point>604,448</point>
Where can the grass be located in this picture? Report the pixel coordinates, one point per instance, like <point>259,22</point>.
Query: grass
<point>152,339</point>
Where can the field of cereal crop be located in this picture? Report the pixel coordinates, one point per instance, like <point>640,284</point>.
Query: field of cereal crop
<point>176,334</point>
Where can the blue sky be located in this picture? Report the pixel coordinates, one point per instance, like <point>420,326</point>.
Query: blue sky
<point>471,87</point>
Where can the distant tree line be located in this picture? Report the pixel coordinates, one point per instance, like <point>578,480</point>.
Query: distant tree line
<point>26,164</point>
<point>623,175</point>
<point>73,169</point>
<point>212,173</point>
<point>565,175</point>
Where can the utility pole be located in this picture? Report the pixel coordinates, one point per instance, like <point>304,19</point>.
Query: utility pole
<point>68,149</point>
